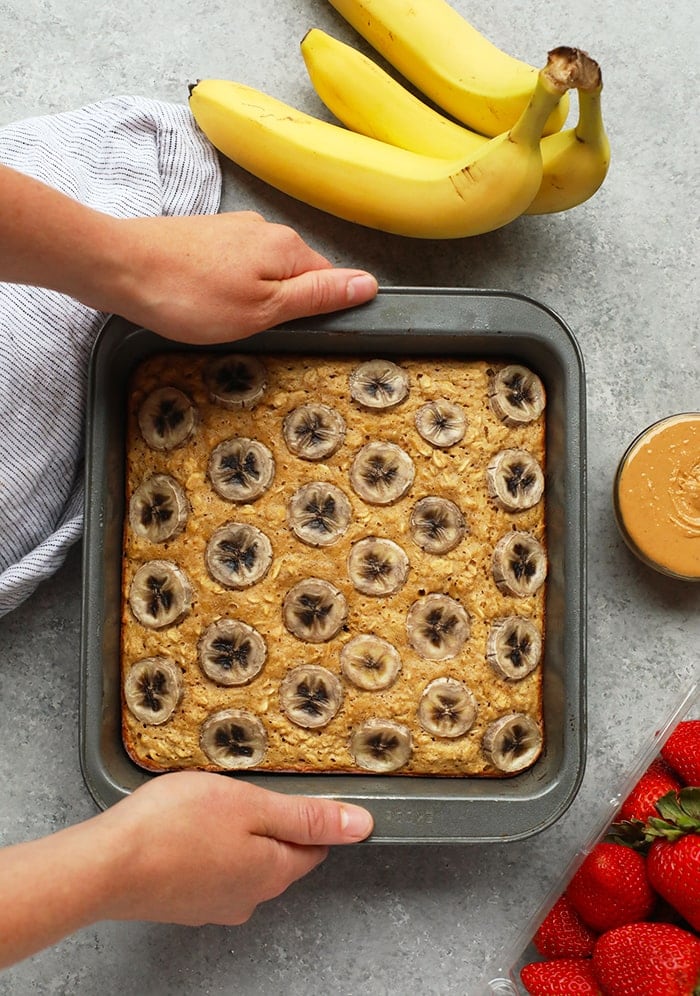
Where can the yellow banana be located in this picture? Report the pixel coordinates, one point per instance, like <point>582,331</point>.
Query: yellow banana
<point>575,161</point>
<point>449,61</point>
<point>371,102</point>
<point>372,183</point>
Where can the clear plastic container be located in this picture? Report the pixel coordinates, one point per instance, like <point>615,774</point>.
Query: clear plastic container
<point>503,978</point>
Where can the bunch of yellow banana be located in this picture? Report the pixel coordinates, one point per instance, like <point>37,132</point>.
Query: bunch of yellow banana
<point>398,165</point>
<point>371,102</point>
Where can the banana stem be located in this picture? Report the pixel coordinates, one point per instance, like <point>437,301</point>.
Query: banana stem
<point>589,127</point>
<point>566,68</point>
<point>572,67</point>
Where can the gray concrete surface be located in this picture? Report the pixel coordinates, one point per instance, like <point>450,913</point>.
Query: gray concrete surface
<point>621,270</point>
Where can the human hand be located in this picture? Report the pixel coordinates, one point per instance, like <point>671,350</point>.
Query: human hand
<point>200,279</point>
<point>197,847</point>
<point>210,279</point>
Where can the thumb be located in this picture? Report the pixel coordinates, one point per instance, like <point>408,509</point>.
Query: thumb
<point>317,292</point>
<point>298,819</point>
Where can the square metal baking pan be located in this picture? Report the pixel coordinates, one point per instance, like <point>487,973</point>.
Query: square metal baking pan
<point>437,321</point>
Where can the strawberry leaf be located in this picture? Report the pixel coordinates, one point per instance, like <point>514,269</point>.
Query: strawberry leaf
<point>631,833</point>
<point>690,801</point>
<point>669,807</point>
<point>661,828</point>
<point>680,815</point>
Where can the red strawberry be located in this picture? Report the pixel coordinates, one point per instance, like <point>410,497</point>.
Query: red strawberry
<point>573,976</point>
<point>674,871</point>
<point>563,934</point>
<point>682,751</point>
<point>656,781</point>
<point>611,887</point>
<point>673,861</point>
<point>648,959</point>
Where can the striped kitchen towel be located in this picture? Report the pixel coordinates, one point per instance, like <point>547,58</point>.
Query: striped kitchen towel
<point>126,156</point>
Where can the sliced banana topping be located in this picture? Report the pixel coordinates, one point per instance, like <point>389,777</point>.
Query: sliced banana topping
<point>310,695</point>
<point>313,431</point>
<point>314,610</point>
<point>516,395</point>
<point>441,423</point>
<point>381,473</point>
<point>231,652</point>
<point>515,480</point>
<point>437,524</point>
<point>160,594</point>
<point>319,513</point>
<point>238,555</point>
<point>514,646</point>
<point>235,381</point>
<point>512,742</point>
<point>437,627</point>
<point>241,469</point>
<point>519,564</point>
<point>378,384</point>
<point>447,708</point>
<point>370,662</point>
<point>377,566</point>
<point>166,418</point>
<point>233,738</point>
<point>158,508</point>
<point>153,689</point>
<point>381,745</point>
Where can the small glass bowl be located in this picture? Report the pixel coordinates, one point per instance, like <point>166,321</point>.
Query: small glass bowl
<point>645,555</point>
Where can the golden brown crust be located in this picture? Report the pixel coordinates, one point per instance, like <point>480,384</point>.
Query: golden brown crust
<point>457,473</point>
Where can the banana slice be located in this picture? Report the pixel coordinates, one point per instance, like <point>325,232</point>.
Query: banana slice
<point>318,513</point>
<point>441,423</point>
<point>166,418</point>
<point>153,689</point>
<point>519,564</point>
<point>437,627</point>
<point>235,381</point>
<point>313,431</point>
<point>516,395</point>
<point>158,508</point>
<point>160,594</point>
<point>512,742</point>
<point>381,745</point>
<point>231,652</point>
<point>377,566</point>
<point>314,610</point>
<point>370,662</point>
<point>514,646</point>
<point>514,479</point>
<point>447,708</point>
<point>238,555</point>
<point>378,384</point>
<point>241,469</point>
<point>233,738</point>
<point>381,473</point>
<point>437,524</point>
<point>310,695</point>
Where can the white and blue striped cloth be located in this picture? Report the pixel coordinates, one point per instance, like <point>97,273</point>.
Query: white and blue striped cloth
<point>126,156</point>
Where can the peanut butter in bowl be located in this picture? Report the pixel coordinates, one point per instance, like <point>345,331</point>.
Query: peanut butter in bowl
<point>657,496</point>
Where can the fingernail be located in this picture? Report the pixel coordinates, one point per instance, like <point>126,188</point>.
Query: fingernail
<point>356,822</point>
<point>361,288</point>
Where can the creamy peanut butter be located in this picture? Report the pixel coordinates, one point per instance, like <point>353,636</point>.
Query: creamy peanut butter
<point>657,495</point>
